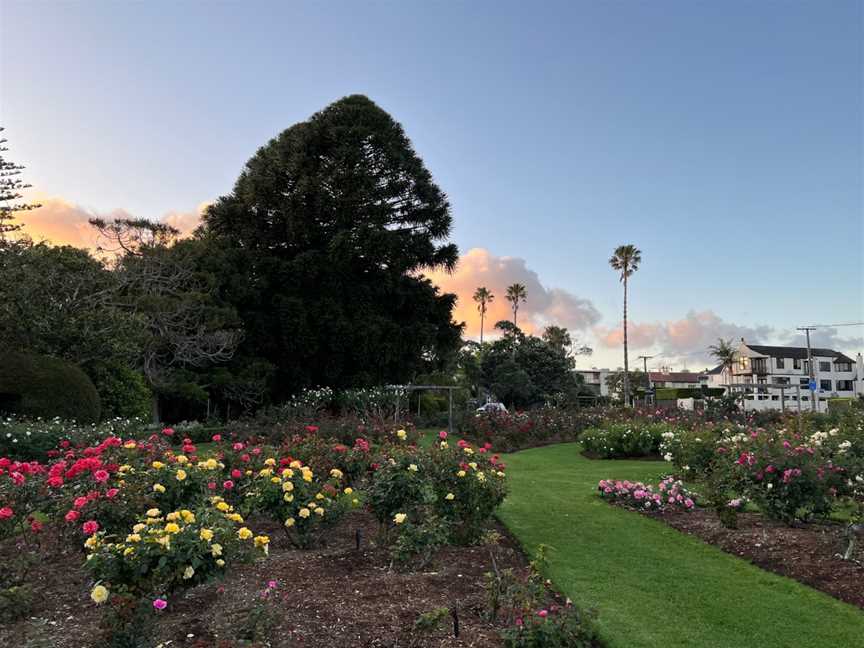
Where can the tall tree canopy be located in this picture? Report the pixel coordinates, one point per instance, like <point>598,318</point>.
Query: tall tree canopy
<point>323,243</point>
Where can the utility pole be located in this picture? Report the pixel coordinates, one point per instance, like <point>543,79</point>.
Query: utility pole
<point>813,392</point>
<point>645,360</point>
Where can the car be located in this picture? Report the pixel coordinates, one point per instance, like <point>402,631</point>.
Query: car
<point>490,408</point>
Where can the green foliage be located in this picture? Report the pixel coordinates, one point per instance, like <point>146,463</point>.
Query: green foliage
<point>123,391</point>
<point>525,370</point>
<point>428,622</point>
<point>565,628</point>
<point>621,440</point>
<point>41,386</point>
<point>334,218</point>
<point>416,543</point>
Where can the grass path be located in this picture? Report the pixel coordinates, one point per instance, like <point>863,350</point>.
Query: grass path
<point>652,585</point>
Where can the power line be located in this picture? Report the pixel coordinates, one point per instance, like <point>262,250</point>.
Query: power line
<point>813,326</point>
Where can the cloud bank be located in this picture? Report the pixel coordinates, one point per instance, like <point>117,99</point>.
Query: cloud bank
<point>544,306</point>
<point>61,222</point>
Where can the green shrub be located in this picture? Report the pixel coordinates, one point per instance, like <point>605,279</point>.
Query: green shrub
<point>41,386</point>
<point>123,392</point>
<point>620,440</point>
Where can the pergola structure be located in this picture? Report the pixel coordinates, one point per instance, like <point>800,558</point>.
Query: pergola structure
<point>410,388</point>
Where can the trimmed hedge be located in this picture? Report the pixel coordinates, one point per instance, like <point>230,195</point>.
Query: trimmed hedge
<point>41,386</point>
<point>674,393</point>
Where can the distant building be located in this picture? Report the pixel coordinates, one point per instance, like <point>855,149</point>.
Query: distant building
<point>836,375</point>
<point>595,380</point>
<point>676,379</point>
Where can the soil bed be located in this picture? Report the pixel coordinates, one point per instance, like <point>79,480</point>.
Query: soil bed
<point>333,596</point>
<point>807,553</point>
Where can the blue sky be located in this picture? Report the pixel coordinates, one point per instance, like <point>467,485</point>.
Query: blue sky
<point>724,139</point>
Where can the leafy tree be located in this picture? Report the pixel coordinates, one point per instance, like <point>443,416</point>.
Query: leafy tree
<point>516,293</point>
<point>11,186</point>
<point>185,328</point>
<point>524,370</point>
<point>324,241</point>
<point>558,338</point>
<point>626,259</point>
<point>483,296</point>
<point>635,380</point>
<point>725,353</point>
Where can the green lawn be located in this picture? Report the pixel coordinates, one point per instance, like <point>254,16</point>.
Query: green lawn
<point>652,585</point>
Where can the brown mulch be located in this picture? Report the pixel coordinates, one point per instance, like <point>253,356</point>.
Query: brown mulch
<point>331,596</point>
<point>807,552</point>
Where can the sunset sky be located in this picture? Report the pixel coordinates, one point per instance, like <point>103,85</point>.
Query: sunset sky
<point>726,140</point>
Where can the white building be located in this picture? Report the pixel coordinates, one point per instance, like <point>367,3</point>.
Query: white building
<point>836,375</point>
<point>595,379</point>
<point>676,379</point>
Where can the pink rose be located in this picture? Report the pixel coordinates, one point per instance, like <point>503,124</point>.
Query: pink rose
<point>72,515</point>
<point>90,527</point>
<point>6,513</point>
<point>216,439</point>
<point>228,484</point>
<point>160,604</point>
<point>168,431</point>
<point>112,492</point>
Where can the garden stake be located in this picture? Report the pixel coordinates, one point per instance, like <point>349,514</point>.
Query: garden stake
<point>455,616</point>
<point>357,536</point>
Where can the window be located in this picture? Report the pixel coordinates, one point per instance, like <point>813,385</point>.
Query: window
<point>825,385</point>
<point>781,381</point>
<point>781,363</point>
<point>844,385</point>
<point>842,366</point>
<point>796,363</point>
<point>807,366</point>
<point>824,366</point>
<point>804,382</point>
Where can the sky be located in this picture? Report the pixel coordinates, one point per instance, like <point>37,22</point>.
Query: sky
<point>725,140</point>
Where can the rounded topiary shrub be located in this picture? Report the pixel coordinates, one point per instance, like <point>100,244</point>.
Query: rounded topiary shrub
<point>34,386</point>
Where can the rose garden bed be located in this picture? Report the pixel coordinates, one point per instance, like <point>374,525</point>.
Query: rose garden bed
<point>333,596</point>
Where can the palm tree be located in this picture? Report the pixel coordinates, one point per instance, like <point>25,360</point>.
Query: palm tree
<point>483,296</point>
<point>626,259</point>
<point>515,293</point>
<point>725,354</point>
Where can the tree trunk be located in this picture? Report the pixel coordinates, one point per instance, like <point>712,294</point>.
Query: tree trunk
<point>626,361</point>
<point>482,313</point>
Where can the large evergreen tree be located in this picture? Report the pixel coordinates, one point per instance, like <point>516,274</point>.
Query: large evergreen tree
<point>325,237</point>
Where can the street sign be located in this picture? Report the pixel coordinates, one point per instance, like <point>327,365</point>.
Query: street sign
<point>812,386</point>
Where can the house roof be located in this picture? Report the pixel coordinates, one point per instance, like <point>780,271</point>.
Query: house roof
<point>798,353</point>
<point>716,370</point>
<point>675,376</point>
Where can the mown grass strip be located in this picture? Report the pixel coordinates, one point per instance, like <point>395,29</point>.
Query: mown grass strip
<point>652,585</point>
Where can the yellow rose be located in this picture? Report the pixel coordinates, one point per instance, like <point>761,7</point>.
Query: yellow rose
<point>295,464</point>
<point>319,511</point>
<point>319,496</point>
<point>138,528</point>
<point>188,516</point>
<point>473,465</point>
<point>288,497</point>
<point>244,533</point>
<point>182,459</point>
<point>303,512</point>
<point>289,522</point>
<point>336,473</point>
<point>288,486</point>
<point>461,473</point>
<point>275,480</point>
<point>481,477</point>
<point>172,527</point>
<point>449,497</point>
<point>129,445</point>
<point>174,515</point>
<point>399,518</point>
<point>154,512</point>
<point>468,451</point>
<point>402,434</point>
<point>223,506</point>
<point>91,542</point>
<point>266,472</point>
<point>159,488</point>
<point>128,551</point>
<point>261,541</point>
<point>412,467</point>
<point>220,563</point>
<point>206,534</point>
<point>189,572</point>
<point>99,594</point>
<point>443,445</point>
<point>355,501</point>
<point>216,550</point>
<point>181,475</point>
<point>158,465</point>
<point>235,517</point>
<point>124,468</point>
<point>287,473</point>
<point>133,537</point>
<point>270,461</point>
<point>348,490</point>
